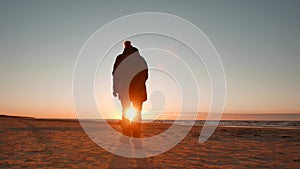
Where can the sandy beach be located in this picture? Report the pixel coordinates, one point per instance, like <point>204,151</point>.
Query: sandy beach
<point>45,143</point>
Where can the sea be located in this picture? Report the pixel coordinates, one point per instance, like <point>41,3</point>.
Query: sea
<point>237,123</point>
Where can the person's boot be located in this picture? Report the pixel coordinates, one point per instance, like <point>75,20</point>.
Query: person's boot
<point>126,131</point>
<point>137,135</point>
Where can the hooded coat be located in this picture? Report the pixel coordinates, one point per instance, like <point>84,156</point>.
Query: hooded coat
<point>130,73</point>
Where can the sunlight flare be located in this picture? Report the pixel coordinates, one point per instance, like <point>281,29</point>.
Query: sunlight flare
<point>130,114</point>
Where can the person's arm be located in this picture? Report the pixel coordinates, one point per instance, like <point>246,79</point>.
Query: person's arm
<point>113,72</point>
<point>114,88</point>
<point>115,66</point>
<point>146,70</point>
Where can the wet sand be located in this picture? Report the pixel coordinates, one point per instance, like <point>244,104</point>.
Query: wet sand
<point>40,143</point>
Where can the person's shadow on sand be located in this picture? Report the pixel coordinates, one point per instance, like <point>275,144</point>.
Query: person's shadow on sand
<point>125,162</point>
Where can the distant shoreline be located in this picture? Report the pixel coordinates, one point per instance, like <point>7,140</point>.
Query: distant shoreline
<point>278,124</point>
<point>201,117</point>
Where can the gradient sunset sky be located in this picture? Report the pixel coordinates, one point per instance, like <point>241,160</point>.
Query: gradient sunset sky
<point>258,42</point>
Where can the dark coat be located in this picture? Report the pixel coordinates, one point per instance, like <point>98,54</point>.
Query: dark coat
<point>130,73</point>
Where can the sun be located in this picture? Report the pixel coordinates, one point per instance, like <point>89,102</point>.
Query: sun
<point>130,114</point>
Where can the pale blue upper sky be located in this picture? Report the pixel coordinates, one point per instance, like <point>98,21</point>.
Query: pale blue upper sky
<point>258,41</point>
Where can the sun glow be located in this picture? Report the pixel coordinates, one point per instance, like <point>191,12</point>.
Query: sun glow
<point>130,114</point>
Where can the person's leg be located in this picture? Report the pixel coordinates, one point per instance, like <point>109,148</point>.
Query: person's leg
<point>125,121</point>
<point>138,119</point>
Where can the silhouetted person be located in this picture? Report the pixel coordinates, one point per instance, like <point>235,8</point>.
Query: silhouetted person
<point>130,73</point>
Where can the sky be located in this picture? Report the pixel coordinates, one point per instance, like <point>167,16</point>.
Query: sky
<point>258,43</point>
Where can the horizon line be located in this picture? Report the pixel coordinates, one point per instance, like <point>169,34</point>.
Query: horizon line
<point>148,119</point>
